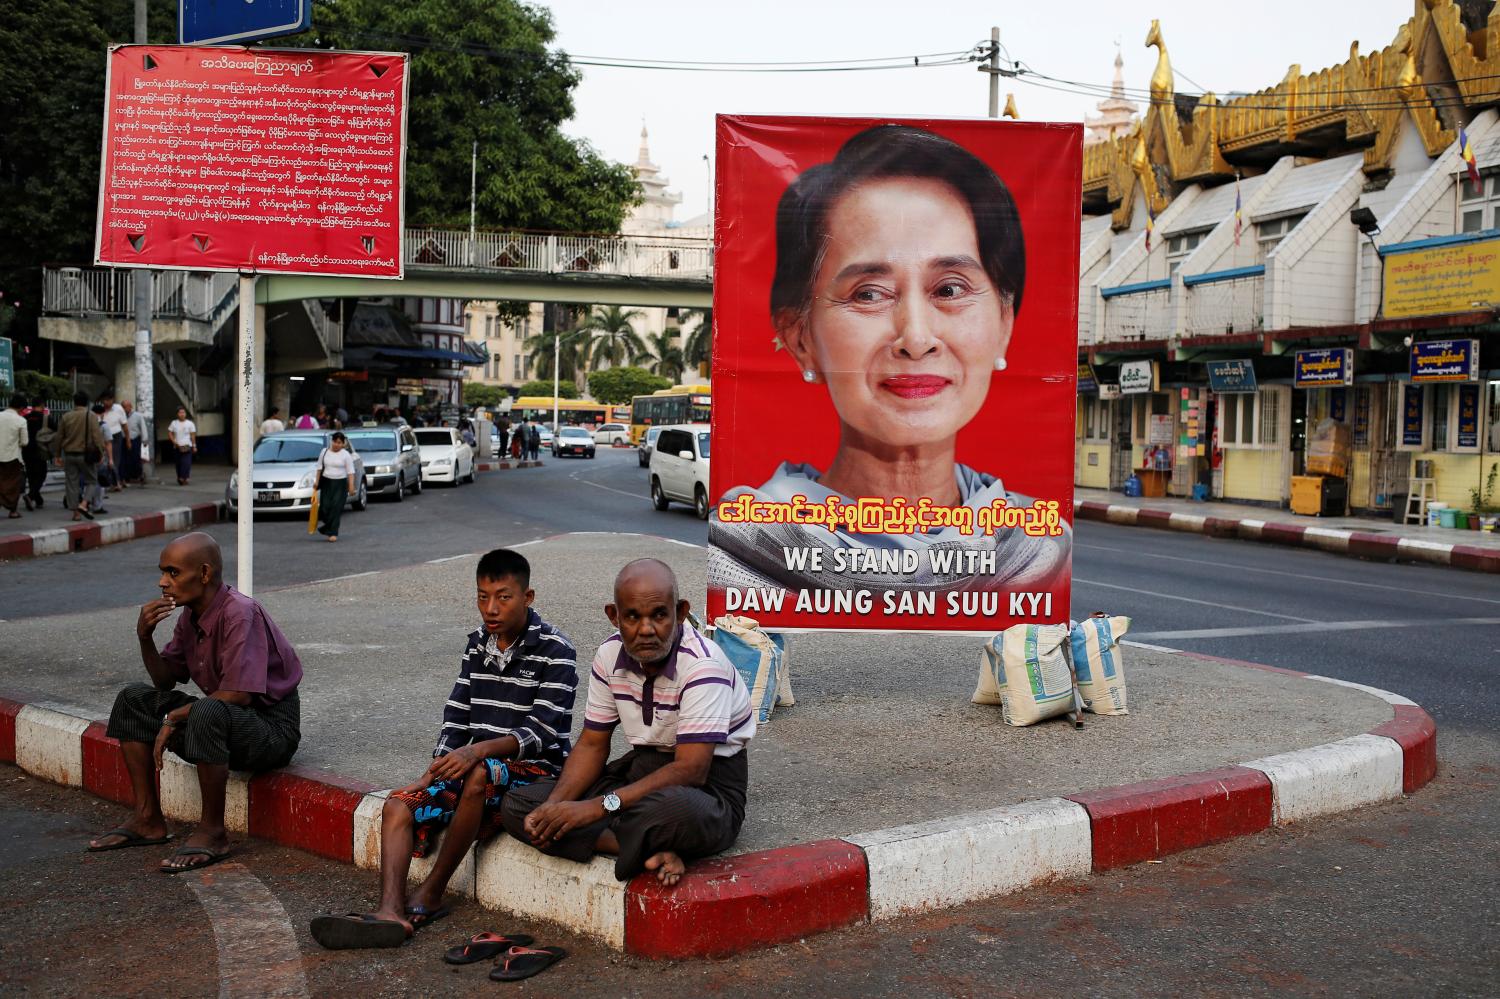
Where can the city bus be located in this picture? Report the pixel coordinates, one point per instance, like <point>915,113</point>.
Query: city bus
<point>678,404</point>
<point>570,412</point>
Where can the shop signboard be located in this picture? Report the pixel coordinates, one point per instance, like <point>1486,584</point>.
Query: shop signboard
<point>1435,280</point>
<point>1230,377</point>
<point>1468,416</point>
<point>1109,390</point>
<point>833,235</point>
<point>7,366</point>
<point>1411,414</point>
<point>1361,417</point>
<point>1326,368</point>
<point>253,160</point>
<point>1445,361</point>
<point>1086,380</point>
<point>409,386</point>
<point>1137,377</point>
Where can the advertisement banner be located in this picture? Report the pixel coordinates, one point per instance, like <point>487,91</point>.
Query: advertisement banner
<point>1411,415</point>
<point>284,160</point>
<point>1333,366</point>
<point>1229,377</point>
<point>1086,380</point>
<point>895,364</point>
<point>1445,361</point>
<point>1442,279</point>
<point>1137,377</point>
<point>1468,416</point>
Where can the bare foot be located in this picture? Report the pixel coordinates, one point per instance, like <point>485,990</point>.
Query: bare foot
<point>396,917</point>
<point>668,866</point>
<point>143,828</point>
<point>425,898</point>
<point>218,842</point>
<point>333,537</point>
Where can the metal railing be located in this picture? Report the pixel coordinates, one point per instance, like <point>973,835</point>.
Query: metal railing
<point>110,291</point>
<point>626,256</point>
<point>1140,315</point>
<point>1231,306</point>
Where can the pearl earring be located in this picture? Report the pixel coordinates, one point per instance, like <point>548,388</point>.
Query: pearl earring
<point>809,377</point>
<point>999,364</point>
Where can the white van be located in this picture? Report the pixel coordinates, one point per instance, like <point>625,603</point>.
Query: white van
<point>679,467</point>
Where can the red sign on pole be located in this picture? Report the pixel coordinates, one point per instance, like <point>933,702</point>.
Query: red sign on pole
<point>253,160</point>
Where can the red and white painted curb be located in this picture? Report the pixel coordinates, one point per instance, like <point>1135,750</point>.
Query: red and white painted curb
<point>1357,544</point>
<point>504,466</point>
<point>730,904</point>
<point>96,533</point>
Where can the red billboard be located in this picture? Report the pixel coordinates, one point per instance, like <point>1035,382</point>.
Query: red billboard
<point>894,370</point>
<point>253,160</point>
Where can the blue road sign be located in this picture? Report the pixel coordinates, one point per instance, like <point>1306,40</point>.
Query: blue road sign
<point>225,22</point>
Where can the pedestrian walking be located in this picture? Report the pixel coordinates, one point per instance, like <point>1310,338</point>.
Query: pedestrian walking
<point>534,441</point>
<point>13,438</point>
<point>184,434</point>
<point>518,442</point>
<point>113,416</point>
<point>80,446</point>
<point>133,469</point>
<point>305,422</point>
<point>272,424</point>
<point>41,429</point>
<point>335,484</point>
<point>104,473</point>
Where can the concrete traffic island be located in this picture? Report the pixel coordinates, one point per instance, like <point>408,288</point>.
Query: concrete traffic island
<point>882,792</point>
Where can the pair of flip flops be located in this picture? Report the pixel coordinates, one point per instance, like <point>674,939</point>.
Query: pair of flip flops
<point>129,840</point>
<point>517,959</point>
<point>365,931</point>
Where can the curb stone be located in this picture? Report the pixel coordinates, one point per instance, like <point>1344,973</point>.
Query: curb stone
<point>726,905</point>
<point>1356,544</point>
<point>89,534</point>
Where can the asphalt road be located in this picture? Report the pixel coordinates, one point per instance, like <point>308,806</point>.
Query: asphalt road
<point>1397,900</point>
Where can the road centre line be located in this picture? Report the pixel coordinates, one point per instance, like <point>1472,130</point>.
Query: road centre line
<point>599,485</point>
<point>1404,591</point>
<point>1190,600</point>
<point>258,953</point>
<point>1314,627</point>
<point>450,558</point>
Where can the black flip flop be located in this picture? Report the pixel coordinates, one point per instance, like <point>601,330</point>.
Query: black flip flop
<point>357,931</point>
<point>421,916</point>
<point>523,962</point>
<point>214,856</point>
<point>131,839</point>
<point>484,946</point>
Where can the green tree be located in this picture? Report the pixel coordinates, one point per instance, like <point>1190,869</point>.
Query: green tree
<point>565,389</point>
<point>480,394</point>
<point>485,71</point>
<point>570,351</point>
<point>699,348</point>
<point>666,357</point>
<point>609,337</point>
<point>616,386</point>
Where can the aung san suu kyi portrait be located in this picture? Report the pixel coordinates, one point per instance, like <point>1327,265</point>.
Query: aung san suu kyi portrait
<point>894,372</point>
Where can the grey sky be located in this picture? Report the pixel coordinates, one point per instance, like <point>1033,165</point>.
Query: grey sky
<point>1221,47</point>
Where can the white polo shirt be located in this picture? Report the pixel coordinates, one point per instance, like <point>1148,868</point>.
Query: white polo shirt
<point>698,697</point>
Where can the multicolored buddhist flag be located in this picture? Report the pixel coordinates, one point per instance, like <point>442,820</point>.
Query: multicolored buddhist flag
<point>1239,217</point>
<point>1466,152</point>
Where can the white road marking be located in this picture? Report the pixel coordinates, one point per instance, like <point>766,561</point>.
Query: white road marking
<point>1315,627</point>
<point>258,953</point>
<point>1190,600</point>
<point>338,579</point>
<point>598,485</point>
<point>685,544</point>
<point>1404,591</point>
<point>450,558</point>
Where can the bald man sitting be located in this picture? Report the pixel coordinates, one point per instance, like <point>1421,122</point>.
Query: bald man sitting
<point>249,718</point>
<point>679,792</point>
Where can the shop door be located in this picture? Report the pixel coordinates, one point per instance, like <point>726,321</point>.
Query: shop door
<point>1389,468</point>
<point>1119,446</point>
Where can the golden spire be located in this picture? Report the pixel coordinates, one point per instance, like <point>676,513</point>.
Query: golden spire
<point>1010,108</point>
<point>1408,82</point>
<point>1161,77</point>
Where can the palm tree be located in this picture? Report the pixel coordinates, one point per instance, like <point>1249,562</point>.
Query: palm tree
<point>607,336</point>
<point>699,348</point>
<point>665,358</point>
<point>570,350</point>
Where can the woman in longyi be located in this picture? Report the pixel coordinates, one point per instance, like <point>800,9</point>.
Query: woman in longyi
<point>899,272</point>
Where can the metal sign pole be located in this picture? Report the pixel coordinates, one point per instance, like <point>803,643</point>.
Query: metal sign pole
<point>245,498</point>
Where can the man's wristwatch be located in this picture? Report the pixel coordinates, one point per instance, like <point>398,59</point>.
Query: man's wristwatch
<point>611,803</point>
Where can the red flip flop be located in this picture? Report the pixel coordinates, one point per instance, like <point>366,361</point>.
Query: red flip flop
<point>483,946</point>
<point>523,962</point>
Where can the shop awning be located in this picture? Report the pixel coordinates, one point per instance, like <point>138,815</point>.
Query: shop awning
<point>428,354</point>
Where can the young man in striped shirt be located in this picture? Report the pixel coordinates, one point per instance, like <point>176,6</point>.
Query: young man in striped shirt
<point>506,724</point>
<point>679,792</point>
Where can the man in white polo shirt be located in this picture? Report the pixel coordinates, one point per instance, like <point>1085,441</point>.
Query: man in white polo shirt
<point>680,791</point>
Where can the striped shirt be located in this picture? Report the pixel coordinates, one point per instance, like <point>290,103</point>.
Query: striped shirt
<point>697,697</point>
<point>526,691</point>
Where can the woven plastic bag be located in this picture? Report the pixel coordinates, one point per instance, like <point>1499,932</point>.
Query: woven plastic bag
<point>1098,664</point>
<point>759,658</point>
<point>1025,667</point>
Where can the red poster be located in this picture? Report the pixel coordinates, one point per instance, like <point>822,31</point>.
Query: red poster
<point>895,367</point>
<point>286,160</point>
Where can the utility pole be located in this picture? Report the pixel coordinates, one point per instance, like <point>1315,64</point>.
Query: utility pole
<point>993,69</point>
<point>145,375</point>
<point>473,187</point>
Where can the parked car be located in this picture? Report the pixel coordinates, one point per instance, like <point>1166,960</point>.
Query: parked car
<point>612,433</point>
<point>393,465</point>
<point>679,468</point>
<point>573,440</point>
<point>445,456</point>
<point>648,441</point>
<point>284,473</point>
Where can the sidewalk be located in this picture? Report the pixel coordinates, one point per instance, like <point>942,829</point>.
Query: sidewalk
<point>855,813</point>
<point>1358,537</point>
<point>137,512</point>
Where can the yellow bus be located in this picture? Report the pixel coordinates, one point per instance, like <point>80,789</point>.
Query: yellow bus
<point>570,412</point>
<point>663,408</point>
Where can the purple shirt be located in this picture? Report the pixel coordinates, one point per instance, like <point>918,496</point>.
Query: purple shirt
<point>233,645</point>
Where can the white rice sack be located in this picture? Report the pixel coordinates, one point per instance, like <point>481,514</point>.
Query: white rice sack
<point>1038,683</point>
<point>991,674</point>
<point>1098,663</point>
